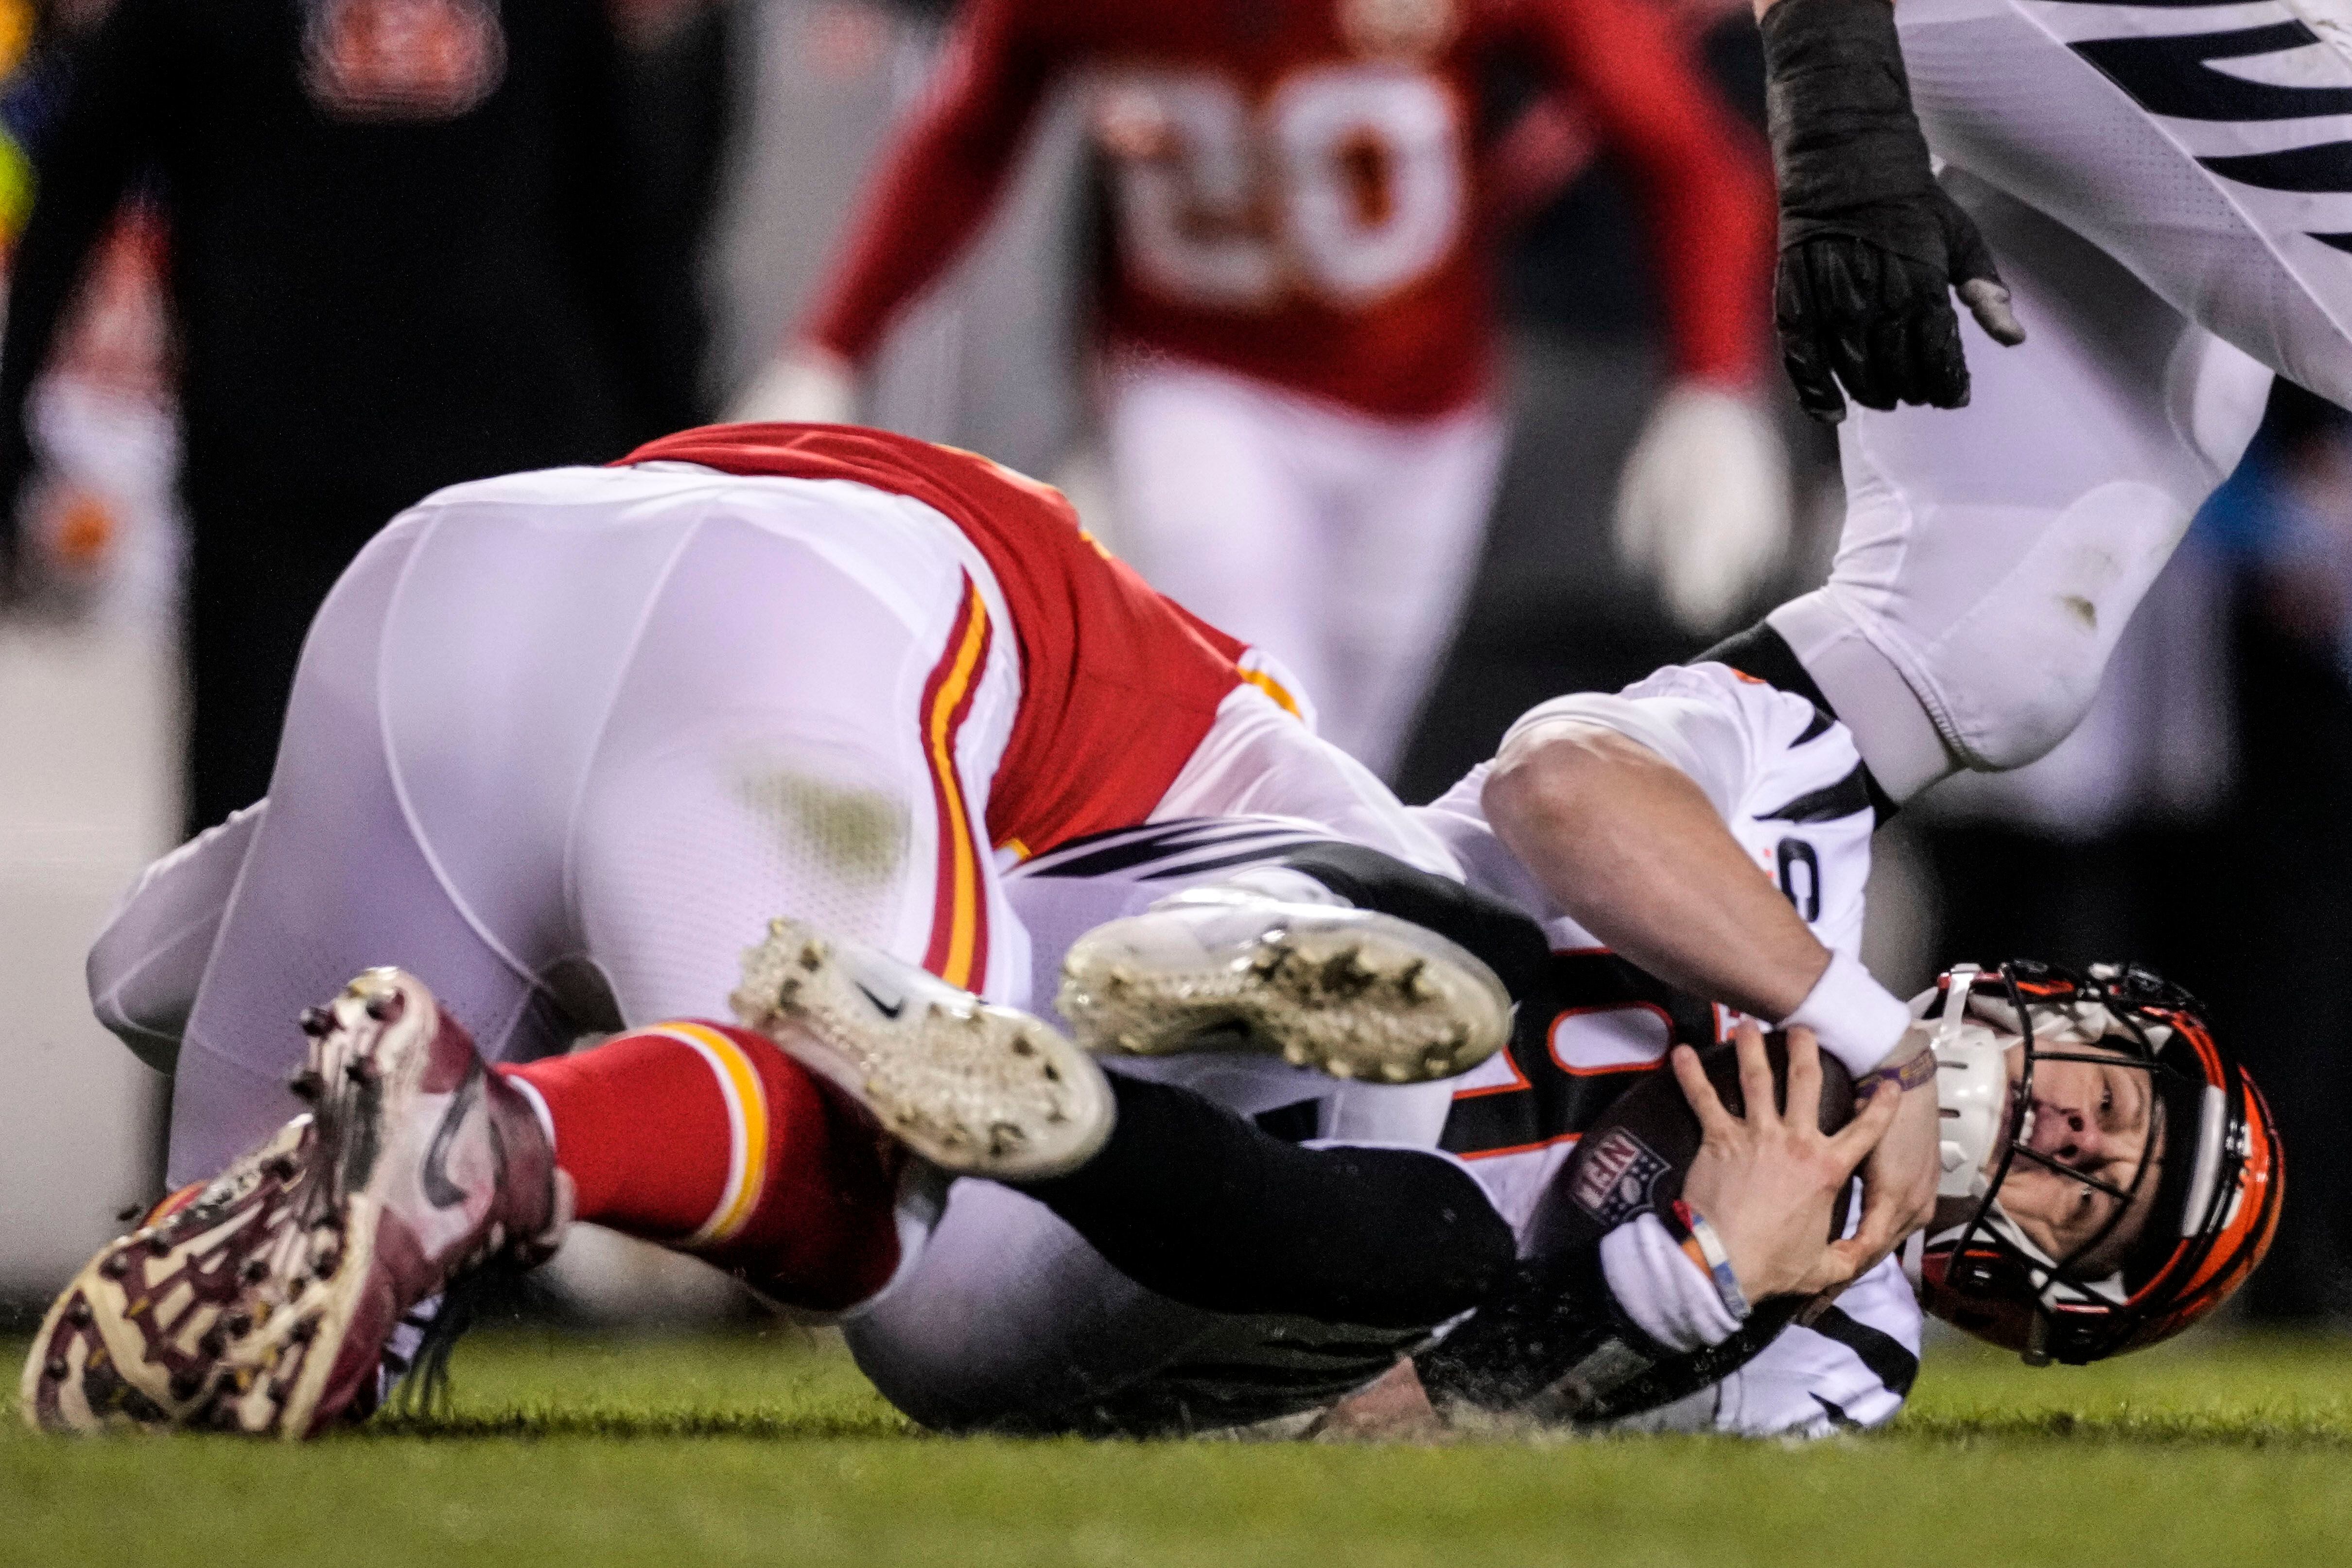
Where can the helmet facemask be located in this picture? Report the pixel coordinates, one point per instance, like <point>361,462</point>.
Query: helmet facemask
<point>1986,1273</point>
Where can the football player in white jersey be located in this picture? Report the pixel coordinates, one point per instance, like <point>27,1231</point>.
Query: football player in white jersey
<point>1610,818</point>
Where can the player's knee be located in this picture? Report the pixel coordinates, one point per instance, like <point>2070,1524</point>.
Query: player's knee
<point>2011,675</point>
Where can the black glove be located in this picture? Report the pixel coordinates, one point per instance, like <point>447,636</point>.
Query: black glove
<point>1870,245</point>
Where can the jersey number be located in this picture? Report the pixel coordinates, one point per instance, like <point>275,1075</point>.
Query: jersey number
<point>1347,181</point>
<point>1586,1036</point>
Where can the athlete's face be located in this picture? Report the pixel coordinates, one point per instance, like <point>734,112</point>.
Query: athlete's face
<point>2097,1117</point>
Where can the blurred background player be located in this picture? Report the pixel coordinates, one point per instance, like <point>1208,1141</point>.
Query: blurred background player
<point>1298,316</point>
<point>403,252</point>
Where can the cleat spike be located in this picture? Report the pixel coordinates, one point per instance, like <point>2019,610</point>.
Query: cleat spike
<point>55,1368</point>
<point>317,1021</point>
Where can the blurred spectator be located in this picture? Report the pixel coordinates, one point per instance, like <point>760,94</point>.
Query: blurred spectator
<point>408,246</point>
<point>1302,444</point>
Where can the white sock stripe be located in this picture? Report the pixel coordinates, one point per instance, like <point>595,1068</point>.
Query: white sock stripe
<point>538,1106</point>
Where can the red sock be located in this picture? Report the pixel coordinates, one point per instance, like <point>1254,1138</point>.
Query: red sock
<point>708,1139</point>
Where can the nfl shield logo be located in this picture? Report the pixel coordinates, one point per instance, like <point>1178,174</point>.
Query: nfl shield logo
<point>1614,1178</point>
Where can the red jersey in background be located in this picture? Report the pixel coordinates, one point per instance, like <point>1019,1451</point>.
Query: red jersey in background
<point>1298,187</point>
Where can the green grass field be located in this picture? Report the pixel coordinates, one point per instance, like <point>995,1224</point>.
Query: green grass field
<point>769,1449</point>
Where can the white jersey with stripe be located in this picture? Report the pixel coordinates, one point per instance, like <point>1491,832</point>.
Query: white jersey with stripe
<point>1790,785</point>
<point>1791,788</point>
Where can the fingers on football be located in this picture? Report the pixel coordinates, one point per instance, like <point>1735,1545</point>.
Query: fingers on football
<point>1886,1217</point>
<point>1804,1078</point>
<point>1853,1142</point>
<point>1755,1075</point>
<point>1840,1265</point>
<point>1713,1119</point>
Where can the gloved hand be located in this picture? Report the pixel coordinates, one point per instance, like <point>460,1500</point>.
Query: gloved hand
<point>1703,505</point>
<point>804,385</point>
<point>1870,247</point>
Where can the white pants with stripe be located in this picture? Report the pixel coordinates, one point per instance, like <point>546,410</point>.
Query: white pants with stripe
<point>562,743</point>
<point>1343,545</point>
<point>2169,189</point>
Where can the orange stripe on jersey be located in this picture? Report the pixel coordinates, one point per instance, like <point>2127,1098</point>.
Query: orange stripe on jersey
<point>958,947</point>
<point>1274,689</point>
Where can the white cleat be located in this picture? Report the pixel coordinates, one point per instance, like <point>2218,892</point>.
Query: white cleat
<point>1356,993</point>
<point>976,1089</point>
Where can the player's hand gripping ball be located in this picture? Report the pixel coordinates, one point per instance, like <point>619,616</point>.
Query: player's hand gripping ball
<point>1639,1157</point>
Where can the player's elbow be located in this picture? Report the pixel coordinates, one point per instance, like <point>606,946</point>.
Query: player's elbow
<point>1561,777</point>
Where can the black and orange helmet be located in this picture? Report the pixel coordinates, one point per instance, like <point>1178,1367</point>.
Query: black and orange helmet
<point>2219,1178</point>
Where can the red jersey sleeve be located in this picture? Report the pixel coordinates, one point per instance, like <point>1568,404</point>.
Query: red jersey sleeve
<point>940,177</point>
<point>1705,188</point>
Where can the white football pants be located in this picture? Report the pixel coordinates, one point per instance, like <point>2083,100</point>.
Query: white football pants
<point>562,743</point>
<point>2168,188</point>
<point>1342,545</point>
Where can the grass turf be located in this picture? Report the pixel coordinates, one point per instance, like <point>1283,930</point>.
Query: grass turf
<point>769,1449</point>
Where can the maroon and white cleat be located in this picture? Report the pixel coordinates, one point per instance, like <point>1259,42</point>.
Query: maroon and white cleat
<point>265,1305</point>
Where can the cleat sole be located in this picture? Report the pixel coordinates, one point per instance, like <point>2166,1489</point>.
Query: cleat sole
<point>1353,993</point>
<point>974,1089</point>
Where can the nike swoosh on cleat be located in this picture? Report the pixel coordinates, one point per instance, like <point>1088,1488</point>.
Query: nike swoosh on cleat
<point>439,1190</point>
<point>888,1010</point>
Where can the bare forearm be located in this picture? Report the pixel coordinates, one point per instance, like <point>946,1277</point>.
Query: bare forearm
<point>1627,845</point>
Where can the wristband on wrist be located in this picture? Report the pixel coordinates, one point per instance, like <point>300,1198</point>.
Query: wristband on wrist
<point>1704,1247</point>
<point>1856,1019</point>
<point>1915,1073</point>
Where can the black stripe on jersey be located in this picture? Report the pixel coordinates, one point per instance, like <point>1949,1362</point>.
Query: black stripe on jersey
<point>1882,1353</point>
<point>1764,654</point>
<point>1123,849</point>
<point>1836,1413</point>
<point>2318,171</point>
<point>2174,76</point>
<point>1255,854</point>
<point>2340,242</point>
<point>1818,728</point>
<point>1827,804</point>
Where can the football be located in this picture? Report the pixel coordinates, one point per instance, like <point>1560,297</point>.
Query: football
<point>1634,1161</point>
